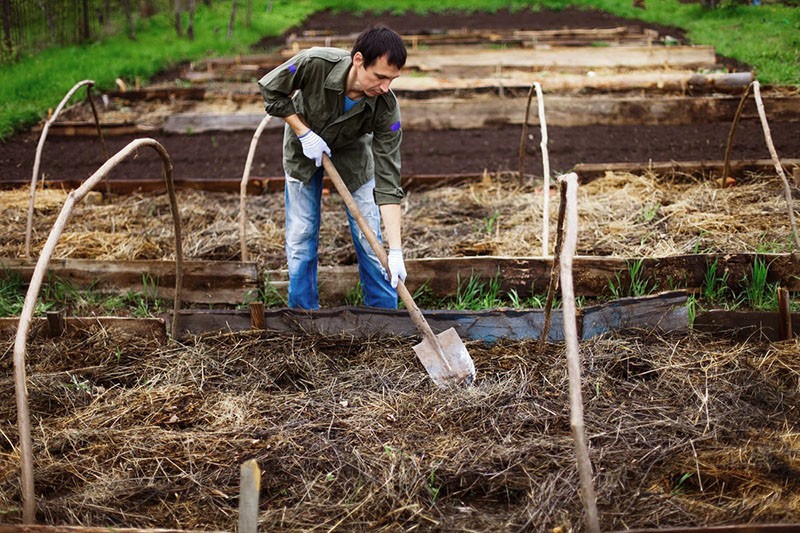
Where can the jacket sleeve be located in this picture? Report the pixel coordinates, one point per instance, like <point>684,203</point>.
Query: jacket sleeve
<point>278,85</point>
<point>387,136</point>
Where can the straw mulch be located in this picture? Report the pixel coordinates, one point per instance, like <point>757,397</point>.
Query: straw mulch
<point>620,215</point>
<point>352,435</point>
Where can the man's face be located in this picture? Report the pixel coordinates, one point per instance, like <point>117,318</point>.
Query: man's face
<point>376,78</point>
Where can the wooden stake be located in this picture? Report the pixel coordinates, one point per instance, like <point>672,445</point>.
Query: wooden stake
<point>37,160</point>
<point>551,289</point>
<point>784,315</point>
<point>99,134</point>
<point>26,315</point>
<point>249,489</point>
<point>726,167</point>
<point>573,356</point>
<point>787,191</point>
<point>257,315</point>
<point>243,187</point>
<point>55,323</point>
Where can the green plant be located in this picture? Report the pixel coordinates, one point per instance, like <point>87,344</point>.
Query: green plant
<point>715,286</point>
<point>691,310</point>
<point>145,303</point>
<point>433,489</point>
<point>354,296</point>
<point>758,293</point>
<point>490,223</point>
<point>269,294</point>
<point>679,486</point>
<point>475,294</point>
<point>534,301</point>
<point>638,285</point>
<point>648,212</point>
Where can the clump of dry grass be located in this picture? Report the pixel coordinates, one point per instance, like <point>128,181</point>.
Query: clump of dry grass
<point>620,215</point>
<point>352,434</point>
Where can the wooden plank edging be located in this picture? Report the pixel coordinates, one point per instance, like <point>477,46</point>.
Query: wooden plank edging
<point>663,312</point>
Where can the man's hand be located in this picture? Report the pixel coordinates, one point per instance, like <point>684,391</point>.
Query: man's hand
<point>396,266</point>
<point>314,146</point>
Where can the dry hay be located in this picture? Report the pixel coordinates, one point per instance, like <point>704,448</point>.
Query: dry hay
<point>620,215</point>
<point>683,431</point>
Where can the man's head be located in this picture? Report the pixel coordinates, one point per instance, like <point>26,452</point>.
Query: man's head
<point>377,41</point>
<point>378,56</point>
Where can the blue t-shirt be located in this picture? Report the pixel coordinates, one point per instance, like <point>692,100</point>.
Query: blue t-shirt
<point>349,103</point>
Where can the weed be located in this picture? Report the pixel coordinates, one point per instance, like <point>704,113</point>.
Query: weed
<point>758,293</point>
<point>476,294</point>
<point>714,286</point>
<point>270,295</point>
<point>648,212</point>
<point>679,486</point>
<point>490,223</point>
<point>354,296</point>
<point>691,310</point>
<point>433,490</point>
<point>638,286</point>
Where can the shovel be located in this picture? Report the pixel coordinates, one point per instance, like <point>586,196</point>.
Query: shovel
<point>444,356</point>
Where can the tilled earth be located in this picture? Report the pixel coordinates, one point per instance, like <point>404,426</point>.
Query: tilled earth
<point>222,154</point>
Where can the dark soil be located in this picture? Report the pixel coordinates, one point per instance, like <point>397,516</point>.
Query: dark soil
<point>223,154</point>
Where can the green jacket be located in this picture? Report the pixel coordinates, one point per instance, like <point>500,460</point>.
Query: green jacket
<point>364,142</point>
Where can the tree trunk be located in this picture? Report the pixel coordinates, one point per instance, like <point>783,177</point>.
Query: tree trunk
<point>190,29</point>
<point>178,25</point>
<point>232,19</point>
<point>126,4</point>
<point>85,31</point>
<point>8,43</point>
<point>47,9</point>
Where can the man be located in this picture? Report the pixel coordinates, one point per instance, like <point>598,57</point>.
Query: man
<point>339,104</point>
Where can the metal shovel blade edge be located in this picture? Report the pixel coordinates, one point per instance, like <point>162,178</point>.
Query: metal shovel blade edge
<point>461,369</point>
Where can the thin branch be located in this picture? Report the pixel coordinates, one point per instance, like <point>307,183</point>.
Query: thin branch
<point>26,315</point>
<point>573,356</point>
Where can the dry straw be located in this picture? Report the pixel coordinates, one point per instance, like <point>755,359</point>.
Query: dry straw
<point>681,430</point>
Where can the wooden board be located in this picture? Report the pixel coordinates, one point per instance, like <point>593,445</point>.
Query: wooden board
<point>532,274</point>
<point>149,328</point>
<point>487,110</point>
<point>560,57</point>
<point>481,112</point>
<point>590,171</point>
<point>665,312</point>
<point>565,36</point>
<point>519,83</point>
<point>230,184</point>
<point>164,94</point>
<point>743,324</point>
<point>204,282</point>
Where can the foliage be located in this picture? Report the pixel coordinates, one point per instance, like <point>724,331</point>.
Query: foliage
<point>758,293</point>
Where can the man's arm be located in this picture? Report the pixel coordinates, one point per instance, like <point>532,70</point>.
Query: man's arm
<point>392,222</point>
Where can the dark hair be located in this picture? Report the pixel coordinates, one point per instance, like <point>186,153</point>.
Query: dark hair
<point>377,41</point>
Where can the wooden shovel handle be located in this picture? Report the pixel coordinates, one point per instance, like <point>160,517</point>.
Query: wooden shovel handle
<point>402,291</point>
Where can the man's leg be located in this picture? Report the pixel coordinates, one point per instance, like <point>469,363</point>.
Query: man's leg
<point>302,239</point>
<point>377,291</point>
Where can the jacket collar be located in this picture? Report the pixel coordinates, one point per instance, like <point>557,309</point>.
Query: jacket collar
<point>337,79</point>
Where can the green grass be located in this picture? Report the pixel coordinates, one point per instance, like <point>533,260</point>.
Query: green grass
<point>767,37</point>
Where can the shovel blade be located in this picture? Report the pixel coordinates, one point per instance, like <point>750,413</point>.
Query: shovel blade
<point>453,366</point>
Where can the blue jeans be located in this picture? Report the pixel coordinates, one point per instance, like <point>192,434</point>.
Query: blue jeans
<point>303,216</point>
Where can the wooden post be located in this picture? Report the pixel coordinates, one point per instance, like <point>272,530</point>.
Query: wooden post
<point>784,315</point>
<point>55,323</point>
<point>257,315</point>
<point>249,488</point>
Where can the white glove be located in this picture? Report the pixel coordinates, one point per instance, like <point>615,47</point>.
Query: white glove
<point>396,266</point>
<point>314,146</point>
